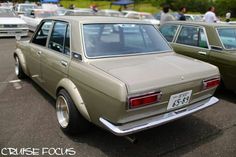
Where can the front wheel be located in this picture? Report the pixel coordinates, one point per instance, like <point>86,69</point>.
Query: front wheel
<point>68,116</point>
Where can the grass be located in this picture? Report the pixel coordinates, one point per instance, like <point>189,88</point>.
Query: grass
<point>143,7</point>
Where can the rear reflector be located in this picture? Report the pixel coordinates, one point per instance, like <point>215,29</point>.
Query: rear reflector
<point>211,83</point>
<point>144,100</point>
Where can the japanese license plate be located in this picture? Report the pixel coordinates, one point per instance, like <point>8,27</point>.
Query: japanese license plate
<point>179,99</point>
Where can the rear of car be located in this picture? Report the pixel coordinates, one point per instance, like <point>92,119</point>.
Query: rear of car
<point>121,75</point>
<point>161,86</point>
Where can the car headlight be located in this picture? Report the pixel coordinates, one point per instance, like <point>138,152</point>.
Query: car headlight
<point>22,25</point>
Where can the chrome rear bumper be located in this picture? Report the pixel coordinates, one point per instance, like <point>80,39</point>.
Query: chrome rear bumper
<point>133,127</point>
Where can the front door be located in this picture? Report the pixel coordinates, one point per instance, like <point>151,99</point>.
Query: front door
<point>36,50</point>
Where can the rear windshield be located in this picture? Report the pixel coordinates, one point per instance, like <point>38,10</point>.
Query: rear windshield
<point>228,37</point>
<point>106,40</point>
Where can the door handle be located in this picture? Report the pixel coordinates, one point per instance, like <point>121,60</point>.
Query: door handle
<point>64,63</point>
<point>39,53</point>
<point>202,52</point>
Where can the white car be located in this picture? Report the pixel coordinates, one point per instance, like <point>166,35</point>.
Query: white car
<point>34,17</point>
<point>109,12</point>
<point>23,7</point>
<point>7,5</point>
<point>193,17</point>
<point>142,16</point>
<point>78,12</point>
<point>11,25</point>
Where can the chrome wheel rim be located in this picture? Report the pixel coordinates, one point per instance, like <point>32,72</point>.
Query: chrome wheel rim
<point>17,66</point>
<point>62,111</point>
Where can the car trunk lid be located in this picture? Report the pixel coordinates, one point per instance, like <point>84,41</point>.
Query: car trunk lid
<point>155,71</point>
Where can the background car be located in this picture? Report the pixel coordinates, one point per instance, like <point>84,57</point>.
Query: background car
<point>142,16</point>
<point>213,43</point>
<point>7,5</point>
<point>11,25</point>
<point>122,76</point>
<point>34,17</point>
<point>79,12</point>
<point>193,17</point>
<point>21,8</point>
<point>109,12</point>
<point>61,11</point>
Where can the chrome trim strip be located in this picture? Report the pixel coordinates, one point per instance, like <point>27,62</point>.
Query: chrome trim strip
<point>160,119</point>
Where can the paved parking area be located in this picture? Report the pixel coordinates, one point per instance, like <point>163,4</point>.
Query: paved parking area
<point>28,120</point>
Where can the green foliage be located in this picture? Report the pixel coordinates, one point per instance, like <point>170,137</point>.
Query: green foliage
<point>224,6</point>
<point>191,5</point>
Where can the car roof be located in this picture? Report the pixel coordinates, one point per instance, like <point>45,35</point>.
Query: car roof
<point>205,24</point>
<point>98,19</point>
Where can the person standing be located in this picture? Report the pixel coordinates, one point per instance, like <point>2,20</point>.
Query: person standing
<point>181,15</point>
<point>210,15</point>
<point>227,16</point>
<point>165,15</point>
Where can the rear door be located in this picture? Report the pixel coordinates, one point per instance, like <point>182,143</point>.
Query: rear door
<point>55,61</point>
<point>192,41</point>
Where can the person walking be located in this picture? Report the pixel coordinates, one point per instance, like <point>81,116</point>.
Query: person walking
<point>165,15</point>
<point>181,15</point>
<point>210,15</point>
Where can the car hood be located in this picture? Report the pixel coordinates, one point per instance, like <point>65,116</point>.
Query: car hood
<point>148,72</point>
<point>11,20</point>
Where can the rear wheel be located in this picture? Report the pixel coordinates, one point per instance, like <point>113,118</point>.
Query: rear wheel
<point>68,116</point>
<point>18,69</point>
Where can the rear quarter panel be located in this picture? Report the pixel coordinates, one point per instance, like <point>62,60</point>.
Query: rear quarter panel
<point>102,94</point>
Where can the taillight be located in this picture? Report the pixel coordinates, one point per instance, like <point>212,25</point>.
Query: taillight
<point>143,100</point>
<point>211,83</point>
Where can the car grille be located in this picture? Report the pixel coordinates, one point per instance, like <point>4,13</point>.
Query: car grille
<point>10,26</point>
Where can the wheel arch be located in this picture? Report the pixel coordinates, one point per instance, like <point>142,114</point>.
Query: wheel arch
<point>75,95</point>
<point>18,53</point>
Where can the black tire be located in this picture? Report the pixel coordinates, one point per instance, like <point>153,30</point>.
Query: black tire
<point>76,124</point>
<point>18,69</point>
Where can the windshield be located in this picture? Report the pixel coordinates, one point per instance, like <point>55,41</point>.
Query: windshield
<point>228,37</point>
<point>44,14</point>
<point>4,12</point>
<point>24,8</point>
<point>105,40</point>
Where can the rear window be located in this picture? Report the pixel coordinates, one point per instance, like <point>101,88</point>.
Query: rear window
<point>106,40</point>
<point>228,37</point>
